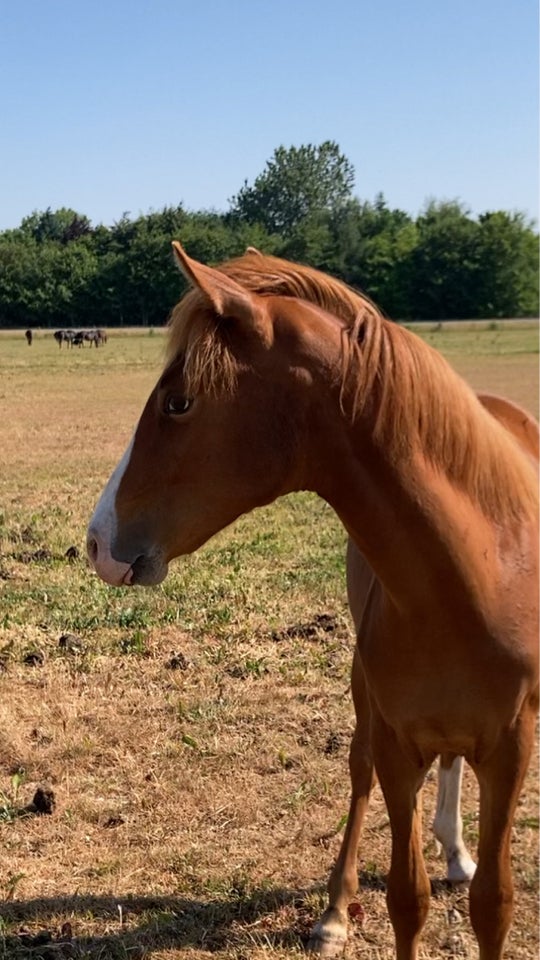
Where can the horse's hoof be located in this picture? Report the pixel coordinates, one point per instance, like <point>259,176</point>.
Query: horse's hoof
<point>461,870</point>
<point>328,938</point>
<point>327,947</point>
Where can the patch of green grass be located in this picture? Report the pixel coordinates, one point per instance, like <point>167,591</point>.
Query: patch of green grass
<point>9,802</point>
<point>134,644</point>
<point>494,339</point>
<point>531,822</point>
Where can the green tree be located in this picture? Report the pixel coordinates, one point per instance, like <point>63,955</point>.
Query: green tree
<point>443,268</point>
<point>56,269</point>
<point>297,183</point>
<point>369,248</point>
<point>19,280</point>
<point>508,266</point>
<point>138,272</point>
<point>63,225</point>
<point>43,284</point>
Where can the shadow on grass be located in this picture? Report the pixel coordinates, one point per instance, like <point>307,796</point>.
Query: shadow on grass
<point>137,926</point>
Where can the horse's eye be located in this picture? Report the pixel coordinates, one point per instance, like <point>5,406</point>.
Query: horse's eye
<point>177,405</point>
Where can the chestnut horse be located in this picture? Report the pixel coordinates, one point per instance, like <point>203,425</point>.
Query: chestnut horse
<point>278,379</point>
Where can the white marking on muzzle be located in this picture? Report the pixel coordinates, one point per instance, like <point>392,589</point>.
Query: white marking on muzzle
<point>102,530</point>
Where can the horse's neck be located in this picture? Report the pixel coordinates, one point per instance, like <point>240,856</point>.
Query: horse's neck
<point>406,518</point>
<point>421,476</point>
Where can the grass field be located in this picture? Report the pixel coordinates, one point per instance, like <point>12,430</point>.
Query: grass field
<point>195,735</point>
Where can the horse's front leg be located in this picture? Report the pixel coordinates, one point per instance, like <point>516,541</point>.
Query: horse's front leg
<point>408,887</point>
<point>500,778</point>
<point>448,825</point>
<point>330,933</point>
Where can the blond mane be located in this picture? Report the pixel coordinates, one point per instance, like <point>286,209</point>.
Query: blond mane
<point>416,396</point>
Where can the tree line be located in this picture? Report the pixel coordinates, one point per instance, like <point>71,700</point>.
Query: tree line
<point>58,270</point>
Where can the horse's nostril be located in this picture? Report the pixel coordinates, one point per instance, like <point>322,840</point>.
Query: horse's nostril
<point>92,549</point>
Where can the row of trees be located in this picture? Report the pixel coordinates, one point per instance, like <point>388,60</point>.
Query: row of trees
<point>57,269</point>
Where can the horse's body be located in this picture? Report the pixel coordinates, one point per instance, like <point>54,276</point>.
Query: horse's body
<point>69,337</point>
<point>281,379</point>
<point>95,337</point>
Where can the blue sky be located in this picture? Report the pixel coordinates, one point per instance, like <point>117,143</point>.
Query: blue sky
<point>115,106</point>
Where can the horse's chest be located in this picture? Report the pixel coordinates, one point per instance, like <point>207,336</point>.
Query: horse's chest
<point>440,683</point>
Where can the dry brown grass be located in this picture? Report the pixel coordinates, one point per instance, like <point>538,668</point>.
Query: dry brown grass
<point>196,739</point>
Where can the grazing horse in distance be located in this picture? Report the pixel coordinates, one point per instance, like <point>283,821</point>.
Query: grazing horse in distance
<point>280,378</point>
<point>95,337</point>
<point>77,338</point>
<point>28,335</point>
<point>69,337</point>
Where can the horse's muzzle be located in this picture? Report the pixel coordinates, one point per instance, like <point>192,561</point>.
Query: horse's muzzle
<point>145,569</point>
<point>112,571</point>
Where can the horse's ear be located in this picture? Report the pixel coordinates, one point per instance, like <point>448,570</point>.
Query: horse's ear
<point>254,251</point>
<point>227,297</point>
